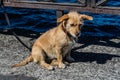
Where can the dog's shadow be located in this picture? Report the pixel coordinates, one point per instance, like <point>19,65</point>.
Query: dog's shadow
<point>100,58</point>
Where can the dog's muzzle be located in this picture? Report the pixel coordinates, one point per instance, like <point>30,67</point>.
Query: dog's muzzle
<point>77,36</point>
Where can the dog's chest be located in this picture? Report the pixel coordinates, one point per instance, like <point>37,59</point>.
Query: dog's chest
<point>67,48</point>
<point>71,43</point>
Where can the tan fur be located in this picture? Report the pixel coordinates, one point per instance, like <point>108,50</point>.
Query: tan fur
<point>56,44</point>
<point>28,59</point>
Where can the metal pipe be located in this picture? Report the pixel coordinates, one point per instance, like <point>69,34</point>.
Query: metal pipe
<point>64,6</point>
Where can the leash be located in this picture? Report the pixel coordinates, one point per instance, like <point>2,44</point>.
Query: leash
<point>9,25</point>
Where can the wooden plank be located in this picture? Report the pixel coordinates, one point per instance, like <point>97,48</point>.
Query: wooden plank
<point>63,6</point>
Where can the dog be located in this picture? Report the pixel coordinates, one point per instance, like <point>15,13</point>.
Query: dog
<point>54,46</point>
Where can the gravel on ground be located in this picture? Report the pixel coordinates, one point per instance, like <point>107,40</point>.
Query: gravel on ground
<point>97,58</point>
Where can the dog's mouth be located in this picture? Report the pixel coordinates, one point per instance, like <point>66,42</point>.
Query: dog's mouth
<point>74,37</point>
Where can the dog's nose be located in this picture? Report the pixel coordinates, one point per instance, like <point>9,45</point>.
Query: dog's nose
<point>77,34</point>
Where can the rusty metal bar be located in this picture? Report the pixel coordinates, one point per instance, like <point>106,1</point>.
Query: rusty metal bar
<point>59,13</point>
<point>63,6</point>
<point>93,3</point>
<point>102,2</point>
<point>81,1</point>
<point>88,3</point>
<point>41,2</point>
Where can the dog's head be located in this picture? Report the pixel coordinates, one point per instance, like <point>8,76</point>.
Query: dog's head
<point>72,22</point>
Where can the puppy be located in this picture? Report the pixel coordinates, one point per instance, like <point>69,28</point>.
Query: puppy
<point>55,45</point>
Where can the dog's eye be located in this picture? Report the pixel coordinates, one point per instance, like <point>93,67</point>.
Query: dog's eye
<point>71,24</point>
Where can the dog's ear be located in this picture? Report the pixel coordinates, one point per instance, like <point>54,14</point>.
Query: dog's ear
<point>64,17</point>
<point>86,17</point>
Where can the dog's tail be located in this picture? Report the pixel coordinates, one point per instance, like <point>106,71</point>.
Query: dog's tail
<point>24,62</point>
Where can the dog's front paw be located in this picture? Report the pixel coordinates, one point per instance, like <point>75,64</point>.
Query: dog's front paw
<point>50,68</point>
<point>62,66</point>
<point>70,59</point>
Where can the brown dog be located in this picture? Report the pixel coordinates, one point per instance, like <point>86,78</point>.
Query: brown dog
<point>56,44</point>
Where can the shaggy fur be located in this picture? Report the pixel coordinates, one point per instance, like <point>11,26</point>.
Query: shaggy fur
<point>56,44</point>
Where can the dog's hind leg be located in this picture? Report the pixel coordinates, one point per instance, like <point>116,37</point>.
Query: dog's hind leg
<point>39,56</point>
